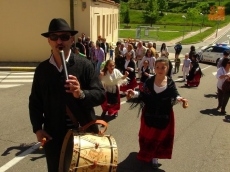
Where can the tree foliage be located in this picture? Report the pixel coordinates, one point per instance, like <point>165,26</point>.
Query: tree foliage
<point>126,17</point>
<point>162,5</point>
<point>151,13</point>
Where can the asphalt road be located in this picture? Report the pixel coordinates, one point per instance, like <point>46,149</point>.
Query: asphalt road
<point>202,141</point>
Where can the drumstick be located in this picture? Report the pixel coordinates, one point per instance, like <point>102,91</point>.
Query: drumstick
<point>42,143</point>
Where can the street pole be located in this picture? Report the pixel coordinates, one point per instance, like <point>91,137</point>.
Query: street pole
<point>184,27</point>
<point>201,22</point>
<point>218,21</point>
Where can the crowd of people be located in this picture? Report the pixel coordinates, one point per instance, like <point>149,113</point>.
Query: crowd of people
<point>57,104</point>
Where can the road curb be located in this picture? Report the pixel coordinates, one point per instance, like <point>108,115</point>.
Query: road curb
<point>26,69</point>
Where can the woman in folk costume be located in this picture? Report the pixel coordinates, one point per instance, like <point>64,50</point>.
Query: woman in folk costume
<point>111,79</point>
<point>140,53</point>
<point>195,73</point>
<point>156,134</point>
<point>145,73</point>
<point>130,68</point>
<point>149,56</point>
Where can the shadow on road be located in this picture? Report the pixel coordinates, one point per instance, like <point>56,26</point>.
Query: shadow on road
<point>211,112</point>
<point>23,147</point>
<point>131,164</point>
<point>211,96</point>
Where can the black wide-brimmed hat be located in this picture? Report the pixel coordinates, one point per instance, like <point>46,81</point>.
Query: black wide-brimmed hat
<point>59,25</point>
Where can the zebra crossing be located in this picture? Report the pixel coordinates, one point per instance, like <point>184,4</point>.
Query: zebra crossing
<point>15,79</point>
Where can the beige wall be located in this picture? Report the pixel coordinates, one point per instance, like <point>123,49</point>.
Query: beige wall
<point>23,21</point>
<point>95,19</point>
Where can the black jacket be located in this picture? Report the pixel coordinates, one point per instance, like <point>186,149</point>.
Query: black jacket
<point>102,45</point>
<point>132,74</point>
<point>48,99</point>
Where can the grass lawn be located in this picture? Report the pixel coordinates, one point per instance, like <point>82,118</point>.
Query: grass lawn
<point>153,35</point>
<point>167,24</point>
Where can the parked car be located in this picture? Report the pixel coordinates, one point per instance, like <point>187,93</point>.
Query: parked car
<point>212,53</point>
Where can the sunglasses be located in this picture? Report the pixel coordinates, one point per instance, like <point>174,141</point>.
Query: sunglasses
<point>63,37</point>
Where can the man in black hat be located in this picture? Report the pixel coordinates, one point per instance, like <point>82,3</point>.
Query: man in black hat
<point>57,104</point>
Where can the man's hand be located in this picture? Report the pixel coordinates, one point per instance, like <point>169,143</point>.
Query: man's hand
<point>73,86</point>
<point>42,134</point>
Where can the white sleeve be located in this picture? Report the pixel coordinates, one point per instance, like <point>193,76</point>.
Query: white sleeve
<point>136,94</point>
<point>220,72</point>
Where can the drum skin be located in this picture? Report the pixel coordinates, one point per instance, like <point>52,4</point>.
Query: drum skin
<point>86,152</point>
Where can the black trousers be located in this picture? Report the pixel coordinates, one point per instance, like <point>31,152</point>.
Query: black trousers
<point>223,98</point>
<point>52,152</point>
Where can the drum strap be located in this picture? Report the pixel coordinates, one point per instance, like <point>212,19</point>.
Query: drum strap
<point>70,115</point>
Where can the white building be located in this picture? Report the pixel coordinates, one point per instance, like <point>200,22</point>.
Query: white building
<point>22,23</point>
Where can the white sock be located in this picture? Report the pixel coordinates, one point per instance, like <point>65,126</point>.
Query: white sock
<point>155,161</point>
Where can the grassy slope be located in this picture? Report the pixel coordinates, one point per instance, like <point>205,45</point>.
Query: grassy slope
<point>171,22</point>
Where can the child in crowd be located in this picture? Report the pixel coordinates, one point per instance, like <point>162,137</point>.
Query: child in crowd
<point>111,51</point>
<point>186,66</point>
<point>177,64</point>
<point>145,73</point>
<point>159,95</point>
<point>111,79</point>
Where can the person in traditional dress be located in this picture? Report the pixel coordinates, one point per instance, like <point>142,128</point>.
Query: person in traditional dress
<point>140,53</point>
<point>156,134</point>
<point>145,73</point>
<point>195,73</point>
<point>111,78</point>
<point>149,56</point>
<point>129,67</point>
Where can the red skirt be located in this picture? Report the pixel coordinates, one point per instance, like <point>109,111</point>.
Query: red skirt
<point>156,143</point>
<point>131,85</point>
<point>141,84</point>
<point>195,81</point>
<point>111,108</point>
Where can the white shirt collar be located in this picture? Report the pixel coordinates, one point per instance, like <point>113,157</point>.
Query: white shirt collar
<point>52,61</point>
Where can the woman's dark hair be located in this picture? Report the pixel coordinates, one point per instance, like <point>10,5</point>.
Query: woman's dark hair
<point>192,48</point>
<point>162,59</point>
<point>118,43</point>
<point>149,50</point>
<point>163,46</point>
<point>225,62</point>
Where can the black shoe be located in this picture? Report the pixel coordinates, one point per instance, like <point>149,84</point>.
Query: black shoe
<point>155,166</point>
<point>115,115</point>
<point>218,107</point>
<point>103,115</point>
<point>223,111</point>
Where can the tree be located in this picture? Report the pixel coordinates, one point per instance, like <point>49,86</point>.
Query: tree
<point>151,13</point>
<point>192,13</point>
<point>126,17</point>
<point>162,5</point>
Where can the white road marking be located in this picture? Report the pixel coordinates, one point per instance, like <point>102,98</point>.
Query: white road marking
<point>19,157</point>
<point>9,85</point>
<point>18,80</point>
<point>15,79</point>
<point>36,146</point>
<point>16,76</point>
